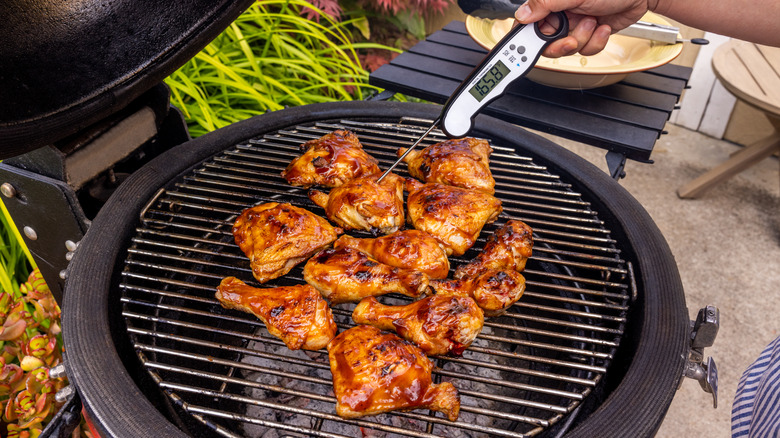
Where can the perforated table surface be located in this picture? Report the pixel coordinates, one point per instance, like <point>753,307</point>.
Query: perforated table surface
<point>626,118</point>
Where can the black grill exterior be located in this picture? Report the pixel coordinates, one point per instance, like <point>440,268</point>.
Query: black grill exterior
<point>594,348</point>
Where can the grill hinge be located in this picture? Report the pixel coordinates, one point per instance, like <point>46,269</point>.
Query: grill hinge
<point>703,332</point>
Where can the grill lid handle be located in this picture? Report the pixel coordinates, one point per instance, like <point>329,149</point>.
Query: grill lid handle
<point>703,332</point>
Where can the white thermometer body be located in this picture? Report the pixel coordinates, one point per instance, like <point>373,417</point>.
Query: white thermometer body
<point>511,58</point>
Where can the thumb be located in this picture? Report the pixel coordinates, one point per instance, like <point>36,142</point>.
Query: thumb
<point>532,11</point>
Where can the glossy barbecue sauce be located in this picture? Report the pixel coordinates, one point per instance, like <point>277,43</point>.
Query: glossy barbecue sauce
<point>379,371</point>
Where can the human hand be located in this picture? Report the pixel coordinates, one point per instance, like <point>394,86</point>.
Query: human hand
<point>591,22</point>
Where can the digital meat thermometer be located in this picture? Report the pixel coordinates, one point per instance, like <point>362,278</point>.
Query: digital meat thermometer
<point>511,58</point>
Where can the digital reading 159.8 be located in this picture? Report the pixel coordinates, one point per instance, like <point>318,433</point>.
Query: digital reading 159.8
<point>489,81</point>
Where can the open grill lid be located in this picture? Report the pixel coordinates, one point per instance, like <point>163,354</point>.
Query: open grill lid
<point>67,65</point>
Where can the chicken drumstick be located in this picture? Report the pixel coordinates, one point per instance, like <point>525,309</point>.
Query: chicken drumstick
<point>376,372</point>
<point>493,290</point>
<point>347,275</point>
<point>276,237</point>
<point>408,249</point>
<point>461,162</point>
<point>438,324</point>
<point>508,248</point>
<point>295,314</point>
<point>364,204</point>
<point>453,215</point>
<point>330,161</point>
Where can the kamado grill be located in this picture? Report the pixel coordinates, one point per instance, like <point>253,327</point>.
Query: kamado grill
<point>597,346</point>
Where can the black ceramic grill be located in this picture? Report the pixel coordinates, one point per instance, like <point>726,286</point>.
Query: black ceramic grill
<point>527,370</point>
<point>596,346</point>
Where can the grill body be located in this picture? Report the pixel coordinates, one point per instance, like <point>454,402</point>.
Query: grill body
<point>596,345</point>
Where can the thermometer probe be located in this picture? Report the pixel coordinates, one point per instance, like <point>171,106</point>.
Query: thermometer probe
<point>510,59</point>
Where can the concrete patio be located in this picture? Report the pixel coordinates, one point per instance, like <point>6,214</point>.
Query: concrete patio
<point>727,247</point>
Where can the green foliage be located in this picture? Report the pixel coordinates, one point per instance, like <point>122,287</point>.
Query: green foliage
<point>14,263</point>
<point>271,57</point>
<point>30,345</point>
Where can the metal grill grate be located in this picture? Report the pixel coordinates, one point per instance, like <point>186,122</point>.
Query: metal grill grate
<point>527,370</point>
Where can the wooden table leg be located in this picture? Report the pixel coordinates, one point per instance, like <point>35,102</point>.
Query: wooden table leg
<point>737,163</point>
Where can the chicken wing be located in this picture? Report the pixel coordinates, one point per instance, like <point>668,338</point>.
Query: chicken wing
<point>493,290</point>
<point>376,372</point>
<point>508,248</point>
<point>276,237</point>
<point>438,324</point>
<point>330,161</point>
<point>461,162</point>
<point>364,204</point>
<point>347,275</point>
<point>408,249</point>
<point>453,215</point>
<point>295,314</point>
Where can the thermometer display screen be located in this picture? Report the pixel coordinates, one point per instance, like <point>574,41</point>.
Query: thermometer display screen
<point>489,81</point>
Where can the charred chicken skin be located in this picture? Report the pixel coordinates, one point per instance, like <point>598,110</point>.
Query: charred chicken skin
<point>295,314</point>
<point>438,324</point>
<point>364,204</point>
<point>452,215</point>
<point>407,249</point>
<point>276,237</point>
<point>376,372</point>
<point>493,290</point>
<point>462,162</point>
<point>330,161</point>
<point>347,275</point>
<point>509,247</point>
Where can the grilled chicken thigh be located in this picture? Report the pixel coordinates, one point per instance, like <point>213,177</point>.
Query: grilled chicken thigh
<point>376,372</point>
<point>438,324</point>
<point>330,161</point>
<point>461,162</point>
<point>493,290</point>
<point>408,249</point>
<point>453,215</point>
<point>295,314</point>
<point>276,237</point>
<point>347,275</point>
<point>364,204</point>
<point>508,248</point>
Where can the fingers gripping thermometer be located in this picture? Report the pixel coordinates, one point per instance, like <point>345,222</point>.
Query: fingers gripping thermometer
<point>511,58</point>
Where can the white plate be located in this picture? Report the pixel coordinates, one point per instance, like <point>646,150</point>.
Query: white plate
<point>622,55</point>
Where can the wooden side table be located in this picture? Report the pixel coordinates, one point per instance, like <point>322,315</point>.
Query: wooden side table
<point>750,72</point>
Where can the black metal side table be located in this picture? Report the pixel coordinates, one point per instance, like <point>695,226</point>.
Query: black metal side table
<point>626,118</point>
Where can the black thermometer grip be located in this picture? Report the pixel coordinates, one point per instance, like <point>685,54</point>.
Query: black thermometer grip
<point>510,59</point>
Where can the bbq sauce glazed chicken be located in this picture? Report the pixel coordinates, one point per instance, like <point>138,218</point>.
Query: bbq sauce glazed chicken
<point>376,372</point>
<point>509,247</point>
<point>364,204</point>
<point>330,161</point>
<point>347,275</point>
<point>438,324</point>
<point>276,237</point>
<point>462,162</point>
<point>494,291</point>
<point>407,249</point>
<point>452,215</point>
<point>295,314</point>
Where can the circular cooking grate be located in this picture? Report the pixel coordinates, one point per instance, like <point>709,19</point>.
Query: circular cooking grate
<point>527,370</point>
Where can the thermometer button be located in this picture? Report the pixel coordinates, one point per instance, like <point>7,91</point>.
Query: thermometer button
<point>511,47</point>
<point>520,49</point>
